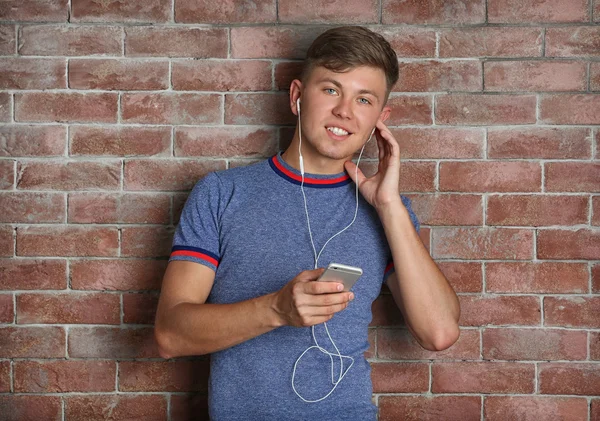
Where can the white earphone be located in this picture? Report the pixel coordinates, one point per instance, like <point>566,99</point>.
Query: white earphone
<point>316,256</point>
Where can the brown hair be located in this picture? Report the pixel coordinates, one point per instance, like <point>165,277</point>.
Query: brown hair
<point>343,48</point>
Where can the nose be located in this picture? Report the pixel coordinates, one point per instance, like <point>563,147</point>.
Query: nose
<point>343,108</point>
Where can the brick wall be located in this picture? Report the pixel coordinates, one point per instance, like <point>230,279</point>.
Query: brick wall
<point>112,110</point>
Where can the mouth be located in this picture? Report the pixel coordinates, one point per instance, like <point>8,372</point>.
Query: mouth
<point>338,132</point>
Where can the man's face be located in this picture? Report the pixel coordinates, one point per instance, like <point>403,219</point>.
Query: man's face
<point>339,110</point>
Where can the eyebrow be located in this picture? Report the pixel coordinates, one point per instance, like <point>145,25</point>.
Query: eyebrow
<point>361,92</point>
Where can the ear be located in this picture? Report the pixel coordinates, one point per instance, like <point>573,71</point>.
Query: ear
<point>295,94</point>
<point>385,113</point>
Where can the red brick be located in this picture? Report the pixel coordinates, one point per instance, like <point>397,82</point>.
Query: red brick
<point>408,109</point>
<point>372,337</point>
<point>169,108</point>
<point>595,407</point>
<point>192,407</point>
<point>535,76</point>
<point>7,174</point>
<point>32,73</point>
<point>595,346</point>
<point>34,10</point>
<point>66,107</point>
<point>285,73</point>
<point>566,244</point>
<point>429,408</point>
<point>139,308</point>
<point>115,74</point>
<point>67,241</point>
<point>539,143</point>
<point>4,379</point>
<point>482,377</point>
<point>448,12</point>
<point>572,311</point>
<point>491,42</point>
<point>537,278</point>
<point>534,344</point>
<point>161,376</point>
<point>573,176</point>
<point>570,109</point>
<point>595,74</point>
<point>72,40</point>
<point>120,11</point>
<point>280,42</point>
<point>499,310</point>
<point>175,42</point>
<point>596,210</point>
<point>415,176</point>
<point>97,208</point>
<point>27,207</point>
<point>399,344</point>
<point>485,109</point>
<point>117,407</point>
<point>68,308</point>
<point>436,76</point>
<point>490,176</point>
<point>529,11</point>
<point>7,241</point>
<point>120,141</point>
<point>23,274</point>
<point>6,110</point>
<point>7,315</point>
<point>500,408</point>
<point>573,41</point>
<point>222,75</point>
<point>596,278</point>
<point>172,175</point>
<point>448,209</point>
<point>435,143</point>
<point>225,142</point>
<point>463,276</point>
<point>118,275</point>
<point>536,210</point>
<point>64,376</point>
<point>30,408</point>
<point>69,175</point>
<point>112,342</point>
<point>228,11</point>
<point>409,41</point>
<point>7,40</point>
<point>328,11</point>
<point>569,379</point>
<point>32,342</point>
<point>483,243</point>
<point>258,109</point>
<point>386,312</point>
<point>22,140</point>
<point>400,377</point>
<point>146,241</point>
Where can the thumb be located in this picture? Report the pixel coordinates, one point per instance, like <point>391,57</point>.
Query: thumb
<point>310,275</point>
<point>351,168</point>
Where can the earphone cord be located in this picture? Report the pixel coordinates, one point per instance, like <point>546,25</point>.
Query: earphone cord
<point>316,257</point>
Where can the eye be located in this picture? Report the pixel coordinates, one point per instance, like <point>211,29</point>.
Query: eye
<point>364,101</point>
<point>330,91</point>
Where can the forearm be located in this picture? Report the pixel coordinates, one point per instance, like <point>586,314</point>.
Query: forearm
<point>196,329</point>
<point>428,302</point>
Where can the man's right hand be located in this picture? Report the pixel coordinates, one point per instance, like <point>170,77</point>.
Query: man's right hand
<point>303,302</point>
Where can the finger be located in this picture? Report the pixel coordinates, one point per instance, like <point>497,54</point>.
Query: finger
<point>323,287</point>
<point>327,310</point>
<point>351,168</point>
<point>325,300</point>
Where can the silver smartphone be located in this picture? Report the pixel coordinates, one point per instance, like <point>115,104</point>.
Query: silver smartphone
<point>347,275</point>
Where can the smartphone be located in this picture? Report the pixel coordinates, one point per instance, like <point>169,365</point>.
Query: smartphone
<point>347,275</point>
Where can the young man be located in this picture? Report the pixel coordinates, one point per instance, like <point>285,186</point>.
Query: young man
<point>242,285</point>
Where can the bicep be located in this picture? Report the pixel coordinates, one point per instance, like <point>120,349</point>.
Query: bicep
<point>184,282</point>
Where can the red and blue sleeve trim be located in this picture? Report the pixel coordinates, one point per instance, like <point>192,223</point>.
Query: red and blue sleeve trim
<point>388,269</point>
<point>308,181</point>
<point>195,252</point>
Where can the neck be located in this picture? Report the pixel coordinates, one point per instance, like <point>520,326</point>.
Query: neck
<point>314,162</point>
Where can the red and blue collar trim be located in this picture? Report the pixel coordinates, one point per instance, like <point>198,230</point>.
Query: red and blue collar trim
<point>285,171</point>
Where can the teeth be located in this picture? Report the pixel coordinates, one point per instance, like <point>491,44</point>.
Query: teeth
<point>337,131</point>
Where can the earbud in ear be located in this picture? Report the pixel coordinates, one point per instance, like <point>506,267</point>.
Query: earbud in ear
<point>298,105</point>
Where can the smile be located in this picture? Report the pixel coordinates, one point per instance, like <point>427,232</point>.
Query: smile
<point>337,131</point>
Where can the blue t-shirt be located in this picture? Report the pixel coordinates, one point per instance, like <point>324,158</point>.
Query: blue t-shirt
<point>249,225</point>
